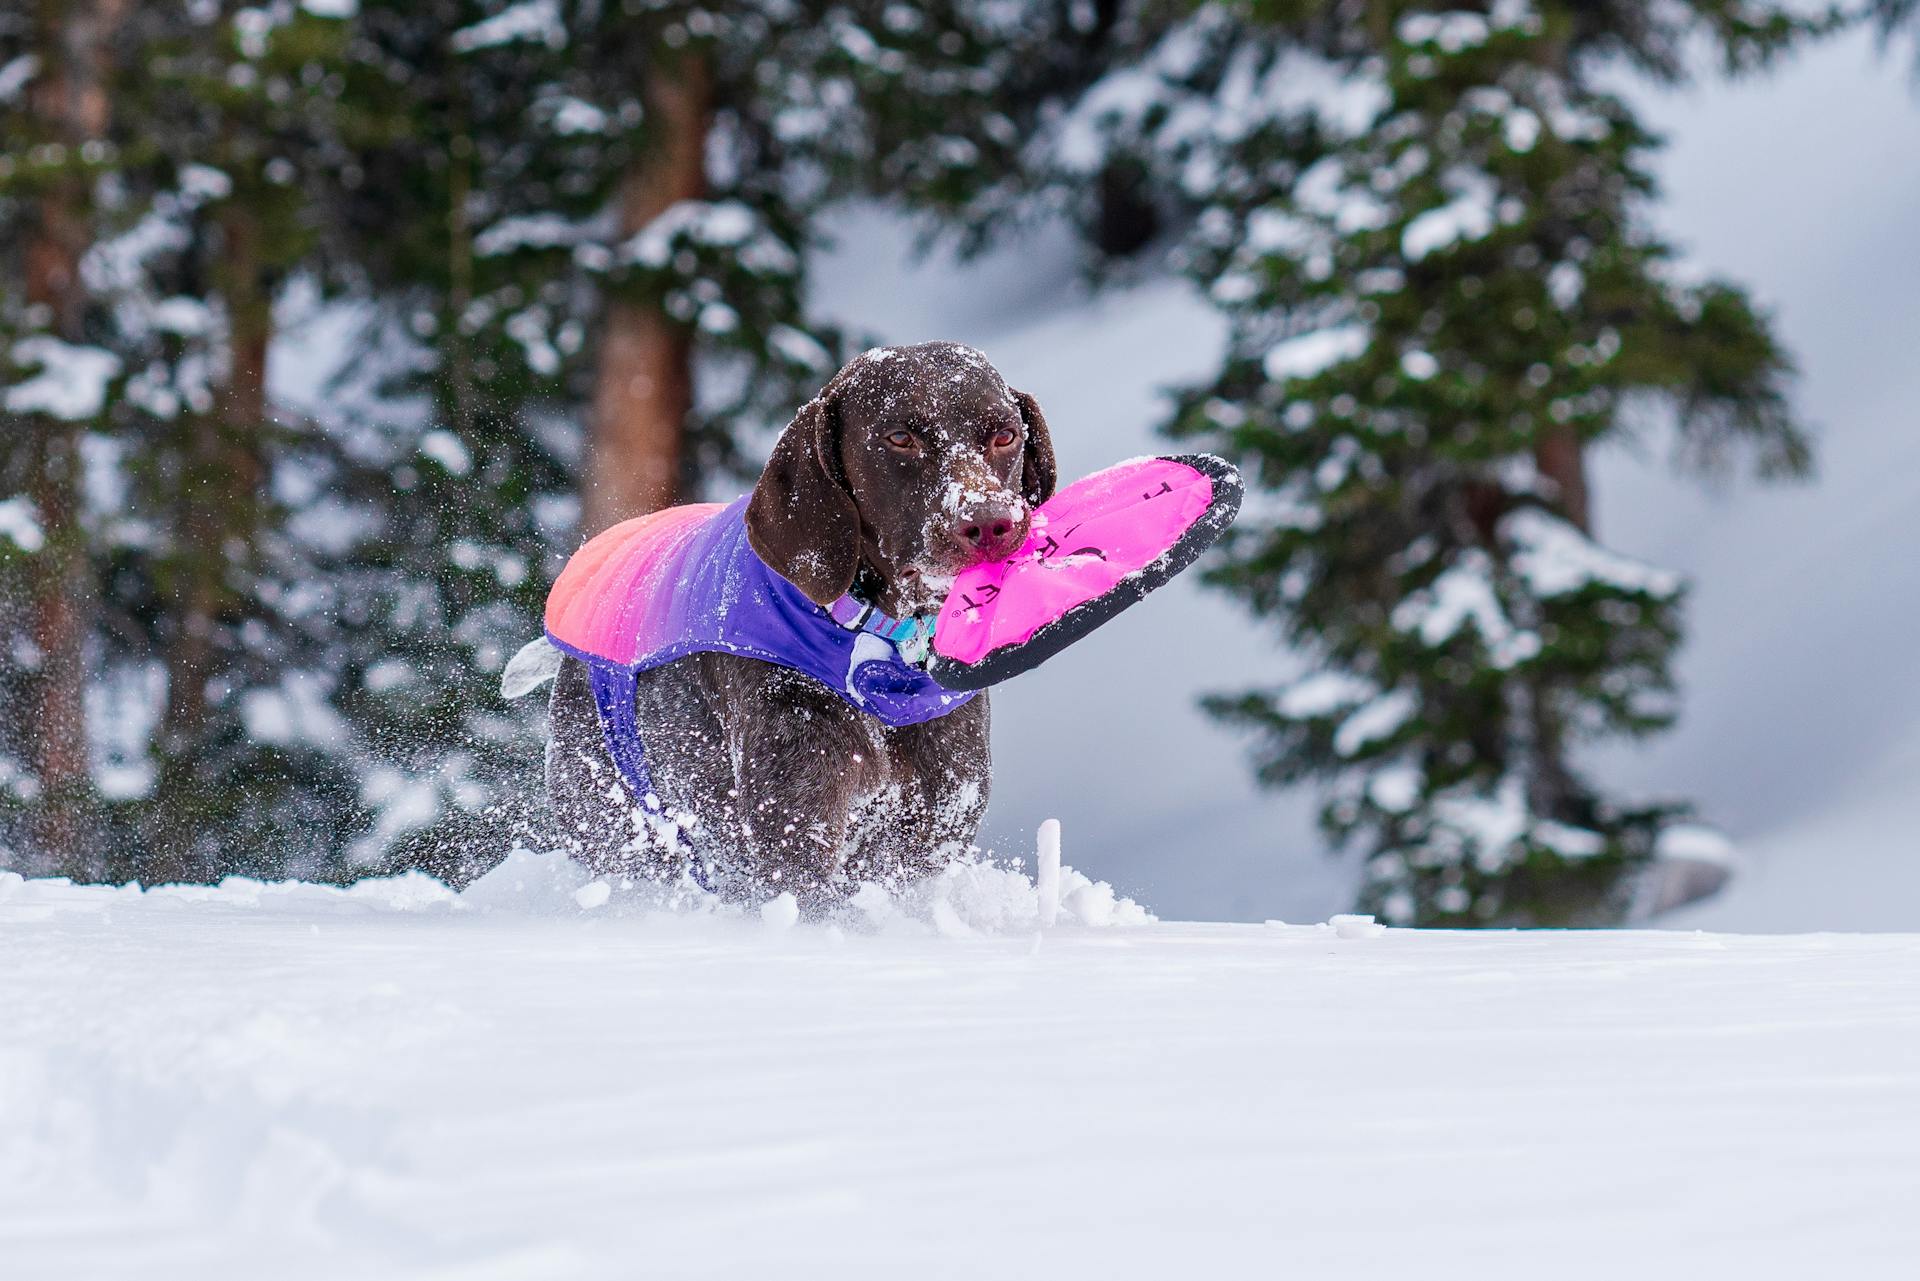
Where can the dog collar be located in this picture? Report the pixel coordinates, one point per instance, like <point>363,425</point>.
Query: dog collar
<point>912,636</point>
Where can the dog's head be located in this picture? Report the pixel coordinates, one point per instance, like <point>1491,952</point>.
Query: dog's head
<point>915,462</point>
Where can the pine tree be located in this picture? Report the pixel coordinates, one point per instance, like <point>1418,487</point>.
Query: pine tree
<point>205,121</point>
<point>1443,290</point>
<point>229,118</point>
<point>56,64</point>
<point>1427,227</point>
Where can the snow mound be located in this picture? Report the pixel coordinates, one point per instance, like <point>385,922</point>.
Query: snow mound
<point>973,898</point>
<point>40,899</point>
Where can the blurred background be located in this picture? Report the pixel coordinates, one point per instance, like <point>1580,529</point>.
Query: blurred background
<point>1567,349</point>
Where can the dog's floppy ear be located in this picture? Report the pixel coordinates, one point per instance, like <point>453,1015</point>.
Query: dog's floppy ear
<point>801,520</point>
<point>1037,470</point>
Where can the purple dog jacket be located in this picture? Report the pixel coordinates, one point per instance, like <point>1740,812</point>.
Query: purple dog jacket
<point>685,581</point>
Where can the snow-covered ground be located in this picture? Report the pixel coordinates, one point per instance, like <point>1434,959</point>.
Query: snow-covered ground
<point>393,1082</point>
<point>542,1078</point>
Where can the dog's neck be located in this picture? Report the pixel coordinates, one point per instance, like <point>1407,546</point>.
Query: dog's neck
<point>882,592</point>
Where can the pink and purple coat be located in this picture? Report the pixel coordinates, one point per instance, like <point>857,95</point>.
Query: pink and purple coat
<point>686,581</point>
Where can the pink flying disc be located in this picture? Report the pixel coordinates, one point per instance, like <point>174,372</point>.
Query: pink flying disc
<point>1095,547</point>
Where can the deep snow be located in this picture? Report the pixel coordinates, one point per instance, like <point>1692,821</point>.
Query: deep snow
<point>394,1082</point>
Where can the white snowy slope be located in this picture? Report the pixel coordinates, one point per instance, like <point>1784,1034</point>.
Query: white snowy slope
<point>295,1082</point>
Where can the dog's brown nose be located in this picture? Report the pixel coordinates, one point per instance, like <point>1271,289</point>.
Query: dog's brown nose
<point>990,532</point>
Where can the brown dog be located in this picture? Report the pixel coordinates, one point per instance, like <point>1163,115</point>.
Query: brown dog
<point>912,464</point>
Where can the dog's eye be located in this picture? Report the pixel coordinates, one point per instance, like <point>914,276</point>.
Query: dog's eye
<point>1005,437</point>
<point>901,439</point>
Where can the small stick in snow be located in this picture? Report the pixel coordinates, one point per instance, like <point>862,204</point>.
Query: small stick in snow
<point>1047,882</point>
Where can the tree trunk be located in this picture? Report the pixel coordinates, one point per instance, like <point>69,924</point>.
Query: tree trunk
<point>69,102</point>
<point>223,472</point>
<point>1559,454</point>
<point>61,609</point>
<point>643,385</point>
<point>1561,458</point>
<point>456,343</point>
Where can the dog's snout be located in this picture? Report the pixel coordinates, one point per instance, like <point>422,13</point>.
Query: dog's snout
<point>991,532</point>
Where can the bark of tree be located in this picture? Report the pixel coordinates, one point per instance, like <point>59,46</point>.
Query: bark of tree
<point>1560,456</point>
<point>643,383</point>
<point>70,101</point>
<point>224,471</point>
<point>458,346</point>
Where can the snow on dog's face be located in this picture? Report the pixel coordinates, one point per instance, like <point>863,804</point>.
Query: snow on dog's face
<point>916,462</point>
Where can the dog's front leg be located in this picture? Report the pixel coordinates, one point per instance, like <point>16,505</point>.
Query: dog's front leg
<point>800,756</point>
<point>942,769</point>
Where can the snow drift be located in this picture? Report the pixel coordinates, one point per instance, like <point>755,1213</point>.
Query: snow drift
<point>540,1079</point>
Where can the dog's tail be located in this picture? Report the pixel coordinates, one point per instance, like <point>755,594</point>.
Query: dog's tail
<point>537,663</point>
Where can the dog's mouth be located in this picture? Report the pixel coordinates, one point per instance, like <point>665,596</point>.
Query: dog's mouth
<point>934,576</point>
<point>923,583</point>
<point>924,587</point>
